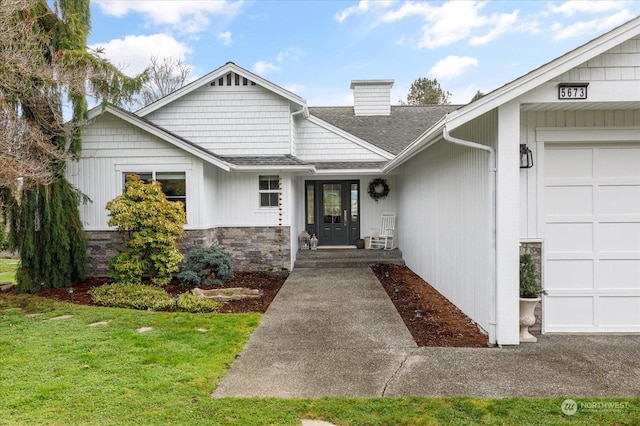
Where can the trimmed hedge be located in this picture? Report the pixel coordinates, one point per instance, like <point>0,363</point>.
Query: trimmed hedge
<point>147,297</point>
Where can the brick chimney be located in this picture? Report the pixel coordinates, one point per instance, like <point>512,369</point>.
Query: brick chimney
<point>372,97</point>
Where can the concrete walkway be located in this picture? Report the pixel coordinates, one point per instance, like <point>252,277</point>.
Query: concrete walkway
<point>334,332</point>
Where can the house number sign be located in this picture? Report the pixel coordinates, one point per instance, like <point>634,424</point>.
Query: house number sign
<point>572,90</point>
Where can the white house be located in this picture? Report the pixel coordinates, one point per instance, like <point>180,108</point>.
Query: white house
<point>255,166</point>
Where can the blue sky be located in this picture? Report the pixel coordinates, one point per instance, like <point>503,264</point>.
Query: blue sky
<point>315,48</point>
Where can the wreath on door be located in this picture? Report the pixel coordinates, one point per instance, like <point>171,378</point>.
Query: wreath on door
<point>378,188</point>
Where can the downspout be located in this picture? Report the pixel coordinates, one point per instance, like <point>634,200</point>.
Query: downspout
<point>293,220</point>
<point>492,193</point>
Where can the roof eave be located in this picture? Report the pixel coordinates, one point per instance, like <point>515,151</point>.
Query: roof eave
<point>544,73</point>
<point>425,140</point>
<point>144,125</point>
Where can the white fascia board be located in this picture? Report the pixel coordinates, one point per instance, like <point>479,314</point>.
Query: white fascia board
<point>303,168</point>
<point>544,73</point>
<point>141,124</point>
<point>428,138</point>
<point>214,75</point>
<point>349,172</point>
<point>351,138</point>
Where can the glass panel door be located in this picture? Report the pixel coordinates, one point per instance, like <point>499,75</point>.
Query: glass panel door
<point>333,211</point>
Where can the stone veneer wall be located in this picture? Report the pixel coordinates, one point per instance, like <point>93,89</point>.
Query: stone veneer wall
<point>251,248</point>
<point>535,250</point>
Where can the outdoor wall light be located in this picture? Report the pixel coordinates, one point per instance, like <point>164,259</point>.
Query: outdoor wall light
<point>526,157</point>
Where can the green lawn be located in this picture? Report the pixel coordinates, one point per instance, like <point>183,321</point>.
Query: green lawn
<point>8,270</point>
<point>62,372</point>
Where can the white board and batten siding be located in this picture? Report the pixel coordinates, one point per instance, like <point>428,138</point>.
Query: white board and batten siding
<point>446,219</point>
<point>236,202</point>
<point>230,120</point>
<point>112,147</point>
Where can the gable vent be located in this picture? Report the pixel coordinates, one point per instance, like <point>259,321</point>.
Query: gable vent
<point>232,79</point>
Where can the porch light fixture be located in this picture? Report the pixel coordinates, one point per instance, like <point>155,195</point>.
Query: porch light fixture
<point>304,241</point>
<point>314,242</point>
<point>526,157</point>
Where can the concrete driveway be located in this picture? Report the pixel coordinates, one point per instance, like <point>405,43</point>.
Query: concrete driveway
<point>334,332</point>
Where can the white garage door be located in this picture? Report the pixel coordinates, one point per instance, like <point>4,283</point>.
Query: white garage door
<point>592,238</point>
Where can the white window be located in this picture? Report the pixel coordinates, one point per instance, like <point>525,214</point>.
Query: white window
<point>174,184</point>
<point>269,190</point>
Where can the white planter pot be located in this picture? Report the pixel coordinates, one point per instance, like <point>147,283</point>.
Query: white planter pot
<point>527,318</point>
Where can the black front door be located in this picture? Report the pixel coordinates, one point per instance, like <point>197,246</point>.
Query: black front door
<point>333,211</point>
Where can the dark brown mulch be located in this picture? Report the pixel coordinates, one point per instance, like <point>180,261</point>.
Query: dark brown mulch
<point>441,324</point>
<point>255,280</point>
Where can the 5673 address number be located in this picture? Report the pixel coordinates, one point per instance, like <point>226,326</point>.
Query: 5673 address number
<point>572,92</point>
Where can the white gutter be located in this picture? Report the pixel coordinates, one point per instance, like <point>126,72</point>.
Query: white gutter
<point>492,190</point>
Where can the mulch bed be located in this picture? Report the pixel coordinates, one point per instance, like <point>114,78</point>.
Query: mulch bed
<point>441,324</point>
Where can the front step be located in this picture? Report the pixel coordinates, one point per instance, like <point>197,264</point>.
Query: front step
<point>346,258</point>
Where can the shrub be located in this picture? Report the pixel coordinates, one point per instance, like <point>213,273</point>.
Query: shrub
<point>134,296</point>
<point>529,287</point>
<point>188,302</point>
<point>154,225</point>
<point>206,265</point>
<point>145,297</point>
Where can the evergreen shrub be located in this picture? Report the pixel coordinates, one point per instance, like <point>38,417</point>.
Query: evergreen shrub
<point>154,225</point>
<point>206,265</point>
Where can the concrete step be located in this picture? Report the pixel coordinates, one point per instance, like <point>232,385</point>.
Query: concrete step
<point>346,258</point>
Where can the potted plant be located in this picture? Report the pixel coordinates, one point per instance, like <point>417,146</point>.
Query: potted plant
<point>530,292</point>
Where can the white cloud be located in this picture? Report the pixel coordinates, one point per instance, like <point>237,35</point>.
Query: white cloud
<point>453,21</point>
<point>452,66</point>
<point>594,26</point>
<point>569,8</point>
<point>503,23</point>
<point>132,54</point>
<point>225,38</point>
<point>363,6</point>
<point>293,53</point>
<point>185,16</point>
<point>262,68</point>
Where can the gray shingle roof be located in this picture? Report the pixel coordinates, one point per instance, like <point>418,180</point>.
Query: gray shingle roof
<point>283,160</point>
<point>392,132</point>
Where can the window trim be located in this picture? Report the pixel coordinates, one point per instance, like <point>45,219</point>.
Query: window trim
<point>269,191</point>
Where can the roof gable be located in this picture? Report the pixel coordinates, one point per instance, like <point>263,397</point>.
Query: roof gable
<point>161,133</point>
<point>226,74</point>
<point>545,73</point>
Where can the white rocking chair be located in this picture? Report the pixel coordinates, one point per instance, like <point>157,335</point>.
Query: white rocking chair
<point>382,238</point>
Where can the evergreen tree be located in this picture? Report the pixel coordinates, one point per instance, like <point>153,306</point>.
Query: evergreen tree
<point>425,91</point>
<point>44,58</point>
